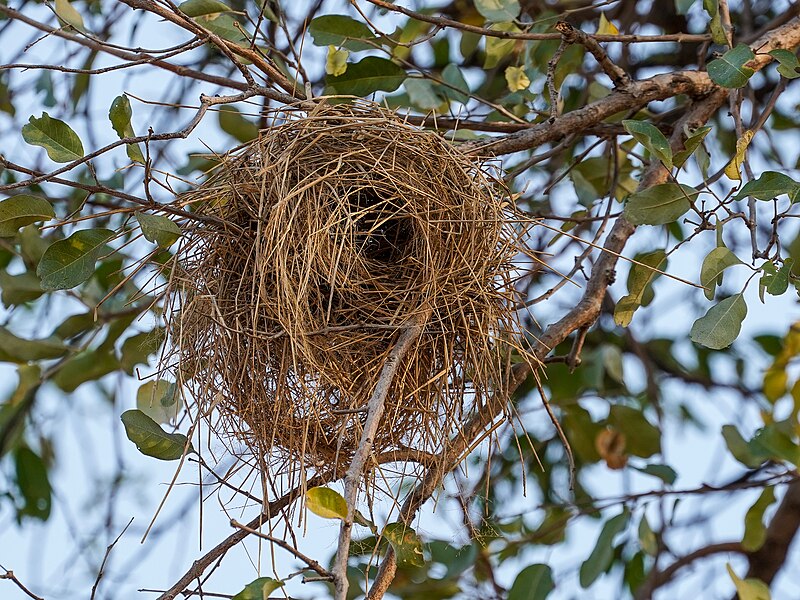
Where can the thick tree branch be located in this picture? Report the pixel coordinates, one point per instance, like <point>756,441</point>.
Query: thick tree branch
<point>637,94</point>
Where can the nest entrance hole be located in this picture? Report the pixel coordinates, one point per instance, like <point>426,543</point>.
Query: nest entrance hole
<point>380,233</point>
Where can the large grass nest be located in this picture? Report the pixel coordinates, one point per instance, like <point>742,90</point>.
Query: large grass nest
<point>323,239</point>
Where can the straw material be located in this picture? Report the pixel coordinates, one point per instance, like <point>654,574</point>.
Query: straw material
<point>329,232</point>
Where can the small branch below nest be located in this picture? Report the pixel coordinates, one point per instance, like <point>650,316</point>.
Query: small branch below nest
<point>324,574</point>
<point>375,408</point>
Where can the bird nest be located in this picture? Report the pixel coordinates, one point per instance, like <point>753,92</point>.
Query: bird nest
<point>319,242</point>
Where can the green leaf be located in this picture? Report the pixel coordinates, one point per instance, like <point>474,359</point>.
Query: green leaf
<point>18,350</point>
<point>714,264</point>
<point>406,544</point>
<point>749,589</point>
<point>690,145</point>
<point>158,229</point>
<point>70,262</point>
<point>664,472</point>
<point>650,137</point>
<point>326,503</point>
<point>33,484</point>
<point>683,6</point>
<point>642,437</point>
<point>224,26</point>
<point>755,532</point>
<point>160,400</point>
<point>67,13</point>
<point>234,124</point>
<point>603,553</point>
<point>369,75</point>
<point>729,70</point>
<point>89,365</point>
<point>534,582</point>
<point>62,144</point>
<point>789,66</point>
<point>18,289</point>
<point>775,442</point>
<point>720,326</point>
<point>716,28</point>
<point>336,62</point>
<point>422,94</point>
<point>498,48</point>
<point>740,449</point>
<point>260,589</point>
<point>498,10</point>
<point>660,204</point>
<point>775,281</point>
<point>18,211</point>
<point>457,88</point>
<point>197,8</point>
<point>343,32</point>
<point>647,537</point>
<point>769,185</point>
<point>120,115</point>
<point>151,440</point>
<point>640,279</point>
<point>138,348</point>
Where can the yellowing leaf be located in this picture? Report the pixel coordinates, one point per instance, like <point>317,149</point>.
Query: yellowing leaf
<point>326,503</point>
<point>517,79</point>
<point>336,63</point>
<point>749,589</point>
<point>67,13</point>
<point>606,27</point>
<point>732,170</point>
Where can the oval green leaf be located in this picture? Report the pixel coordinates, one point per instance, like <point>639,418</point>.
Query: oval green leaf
<point>234,124</point>
<point>789,66</point>
<point>19,350</point>
<point>33,483</point>
<point>369,75</point>
<point>720,326</point>
<point>62,144</point>
<point>714,264</point>
<point>341,31</point>
<point>660,204</point>
<point>498,10</point>
<point>151,440</point>
<point>534,582</point>
<point>650,137</point>
<point>197,8</point>
<point>769,185</point>
<point>120,115</point>
<point>159,229</point>
<point>730,69</point>
<point>260,589</point>
<point>603,552</point>
<point>70,262</point>
<point>18,211</point>
<point>326,503</point>
<point>406,544</point>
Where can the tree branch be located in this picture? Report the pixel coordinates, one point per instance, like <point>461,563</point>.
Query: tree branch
<point>374,413</point>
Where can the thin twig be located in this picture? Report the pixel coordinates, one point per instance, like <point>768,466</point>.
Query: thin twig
<point>312,564</point>
<point>13,578</point>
